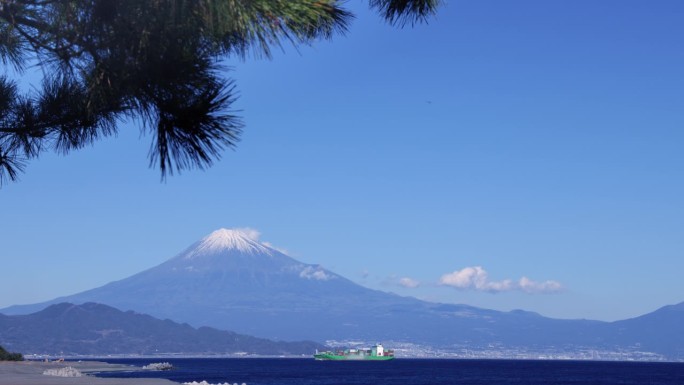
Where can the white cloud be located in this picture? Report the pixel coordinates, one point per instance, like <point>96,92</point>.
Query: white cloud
<point>476,278</point>
<point>531,286</point>
<point>409,282</point>
<point>250,233</point>
<point>465,278</point>
<point>317,273</point>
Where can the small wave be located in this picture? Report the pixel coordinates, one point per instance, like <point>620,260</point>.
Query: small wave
<point>206,383</point>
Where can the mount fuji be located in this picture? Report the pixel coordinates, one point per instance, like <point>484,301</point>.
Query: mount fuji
<point>231,281</point>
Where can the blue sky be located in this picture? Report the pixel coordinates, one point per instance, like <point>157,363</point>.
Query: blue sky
<point>539,139</point>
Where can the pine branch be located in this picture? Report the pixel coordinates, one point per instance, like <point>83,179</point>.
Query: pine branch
<point>403,12</point>
<point>104,60</point>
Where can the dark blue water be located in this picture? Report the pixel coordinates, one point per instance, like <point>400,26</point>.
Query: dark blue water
<point>266,371</point>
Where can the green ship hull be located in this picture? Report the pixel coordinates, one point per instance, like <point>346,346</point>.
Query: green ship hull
<point>335,357</point>
<point>376,353</point>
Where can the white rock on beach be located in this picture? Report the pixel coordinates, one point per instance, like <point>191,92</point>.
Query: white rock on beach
<point>63,372</point>
<point>159,366</point>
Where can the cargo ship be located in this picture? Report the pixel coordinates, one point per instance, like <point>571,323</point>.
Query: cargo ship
<point>376,353</point>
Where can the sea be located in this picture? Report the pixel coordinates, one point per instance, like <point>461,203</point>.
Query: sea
<point>291,371</point>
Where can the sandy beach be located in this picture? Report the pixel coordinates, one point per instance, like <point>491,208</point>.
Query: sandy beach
<point>31,373</point>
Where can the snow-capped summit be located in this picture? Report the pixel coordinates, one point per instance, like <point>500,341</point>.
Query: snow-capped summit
<point>244,241</point>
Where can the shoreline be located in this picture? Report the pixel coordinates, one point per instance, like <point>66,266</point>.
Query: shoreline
<point>31,373</point>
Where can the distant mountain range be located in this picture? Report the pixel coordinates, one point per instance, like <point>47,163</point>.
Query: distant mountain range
<point>230,281</point>
<point>95,329</point>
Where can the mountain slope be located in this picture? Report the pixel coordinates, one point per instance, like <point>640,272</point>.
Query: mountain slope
<point>661,331</point>
<point>99,329</point>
